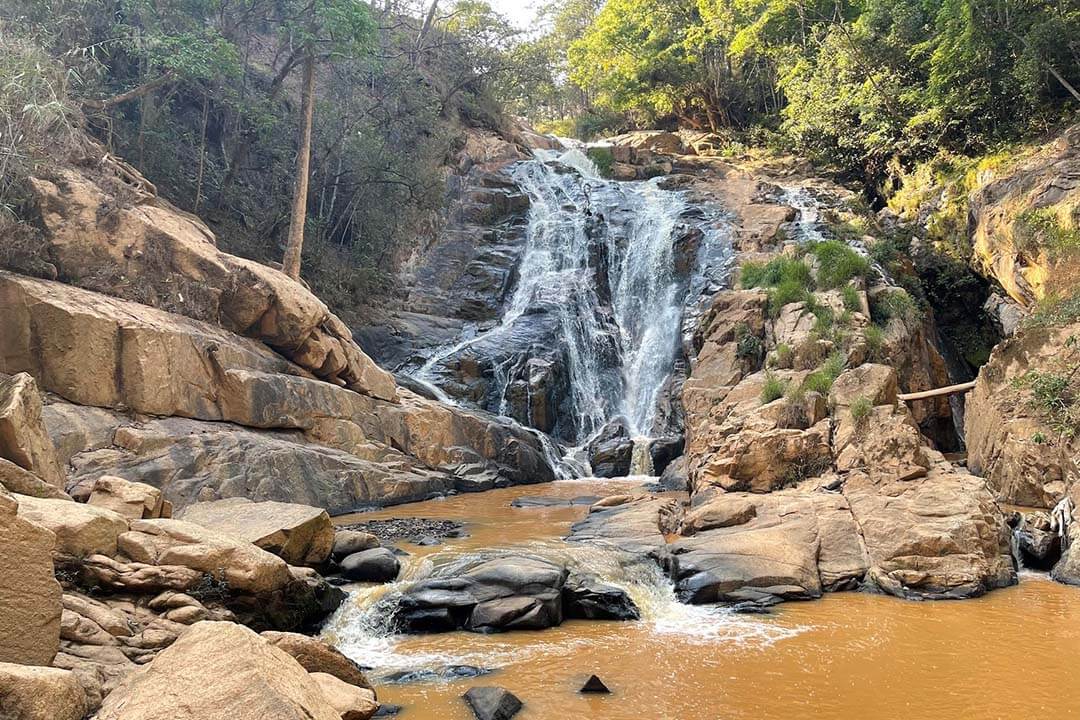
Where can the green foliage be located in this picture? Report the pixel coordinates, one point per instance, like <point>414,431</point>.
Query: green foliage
<point>1054,396</point>
<point>837,264</point>
<point>773,389</point>
<point>34,111</point>
<point>821,380</point>
<point>782,356</point>
<point>851,298</point>
<point>1042,229</point>
<point>748,346</point>
<point>861,408</point>
<point>895,304</point>
<point>875,340</point>
<point>775,272</point>
<point>603,158</point>
<point>1055,310</point>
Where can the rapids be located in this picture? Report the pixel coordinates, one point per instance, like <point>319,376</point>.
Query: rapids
<point>848,656</point>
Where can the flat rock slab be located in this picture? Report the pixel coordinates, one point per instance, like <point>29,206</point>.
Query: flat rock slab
<point>299,534</point>
<point>540,501</point>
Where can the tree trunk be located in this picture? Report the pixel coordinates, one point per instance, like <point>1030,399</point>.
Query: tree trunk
<point>291,263</point>
<point>202,150</point>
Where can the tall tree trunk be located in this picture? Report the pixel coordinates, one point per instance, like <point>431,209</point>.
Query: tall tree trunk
<point>291,263</point>
<point>202,150</point>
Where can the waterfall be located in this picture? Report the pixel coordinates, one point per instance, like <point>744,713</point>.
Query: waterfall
<point>641,460</point>
<point>600,267</point>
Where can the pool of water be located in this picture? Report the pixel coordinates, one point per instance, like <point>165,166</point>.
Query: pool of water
<point>1014,653</point>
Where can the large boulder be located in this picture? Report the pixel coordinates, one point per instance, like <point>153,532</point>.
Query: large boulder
<point>351,702</point>
<point>938,536</point>
<point>244,567</point>
<point>513,592</point>
<point>40,693</point>
<point>16,480</point>
<point>160,256</point>
<point>219,671</point>
<point>24,439</point>
<point>299,534</point>
<point>374,565</point>
<point>29,594</point>
<point>80,530</point>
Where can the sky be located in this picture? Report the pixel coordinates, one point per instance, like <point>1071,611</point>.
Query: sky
<point>520,12</point>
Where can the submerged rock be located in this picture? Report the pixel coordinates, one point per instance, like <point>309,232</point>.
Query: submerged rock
<point>492,703</point>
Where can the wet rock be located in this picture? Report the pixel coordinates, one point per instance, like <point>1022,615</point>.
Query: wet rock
<point>492,703</point>
<point>533,501</point>
<point>595,685</point>
<point>387,710</point>
<point>610,453</point>
<point>375,565</point>
<point>635,524</point>
<point>450,672</point>
<point>408,529</point>
<point>486,595</point>
<point>347,542</point>
<point>663,451</point>
<point>1039,544</point>
<point>586,597</point>
<point>674,475</point>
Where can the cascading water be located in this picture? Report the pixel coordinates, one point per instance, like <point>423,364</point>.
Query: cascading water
<point>600,270</point>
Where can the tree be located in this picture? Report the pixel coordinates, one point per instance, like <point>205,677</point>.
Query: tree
<point>320,29</point>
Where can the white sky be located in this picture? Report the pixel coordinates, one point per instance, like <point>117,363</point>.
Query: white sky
<point>520,12</point>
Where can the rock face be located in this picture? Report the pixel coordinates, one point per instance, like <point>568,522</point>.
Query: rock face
<point>299,534</point>
<point>40,693</point>
<point>486,595</point>
<point>1006,245</point>
<point>219,671</point>
<point>153,253</point>
<point>29,594</point>
<point>23,437</point>
<point>1010,435</point>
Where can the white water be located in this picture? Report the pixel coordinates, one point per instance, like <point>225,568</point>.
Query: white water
<point>639,324</point>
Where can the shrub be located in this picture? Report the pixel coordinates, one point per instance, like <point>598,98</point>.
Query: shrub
<point>787,292</point>
<point>603,158</point>
<point>861,408</point>
<point>748,346</point>
<point>837,263</point>
<point>1055,310</point>
<point>773,389</point>
<point>776,272</point>
<point>875,340</point>
<point>821,380</point>
<point>1041,229</point>
<point>851,298</point>
<point>895,303</point>
<point>783,355</point>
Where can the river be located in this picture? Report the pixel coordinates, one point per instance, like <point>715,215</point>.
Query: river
<point>1010,654</point>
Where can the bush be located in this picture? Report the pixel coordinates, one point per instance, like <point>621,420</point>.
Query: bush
<point>861,409</point>
<point>837,264</point>
<point>783,355</point>
<point>789,291</point>
<point>821,380</point>
<point>776,272</point>
<point>896,303</point>
<point>773,389</point>
<point>851,298</point>
<point>34,115</point>
<point>603,158</point>
<point>748,346</point>
<point>875,340</point>
<point>1055,310</point>
<point>1042,230</point>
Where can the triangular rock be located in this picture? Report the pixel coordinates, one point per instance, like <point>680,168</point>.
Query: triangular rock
<point>492,703</point>
<point>594,685</point>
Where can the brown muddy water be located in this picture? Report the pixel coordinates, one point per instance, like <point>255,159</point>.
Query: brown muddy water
<point>1014,653</point>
